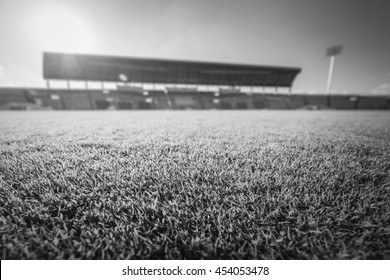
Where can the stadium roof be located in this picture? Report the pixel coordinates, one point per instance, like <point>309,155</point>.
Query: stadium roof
<point>61,66</point>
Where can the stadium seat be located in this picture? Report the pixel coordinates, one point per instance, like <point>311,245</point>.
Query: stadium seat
<point>372,103</point>
<point>316,100</point>
<point>160,99</point>
<point>241,105</point>
<point>234,100</point>
<point>76,100</point>
<point>295,101</point>
<point>97,95</point>
<point>184,98</point>
<point>144,105</point>
<point>343,102</point>
<point>125,105</point>
<point>276,102</point>
<point>259,101</point>
<point>102,104</point>
<point>47,99</point>
<point>13,95</point>
<point>259,104</point>
<point>207,100</point>
<point>224,105</point>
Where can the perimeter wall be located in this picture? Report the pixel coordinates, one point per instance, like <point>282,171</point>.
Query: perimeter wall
<point>176,99</point>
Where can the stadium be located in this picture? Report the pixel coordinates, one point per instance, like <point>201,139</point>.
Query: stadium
<point>200,139</point>
<point>139,158</point>
<point>144,83</point>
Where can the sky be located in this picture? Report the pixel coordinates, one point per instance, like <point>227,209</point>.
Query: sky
<point>292,33</point>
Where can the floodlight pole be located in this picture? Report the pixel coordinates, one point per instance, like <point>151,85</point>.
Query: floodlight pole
<point>332,52</point>
<point>330,74</point>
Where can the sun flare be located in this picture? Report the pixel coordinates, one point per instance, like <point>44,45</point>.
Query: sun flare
<point>62,30</point>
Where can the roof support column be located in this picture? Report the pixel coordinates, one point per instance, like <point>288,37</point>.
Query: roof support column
<point>168,98</point>
<point>277,85</point>
<point>91,103</point>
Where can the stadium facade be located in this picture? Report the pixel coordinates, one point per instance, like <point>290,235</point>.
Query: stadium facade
<point>144,83</point>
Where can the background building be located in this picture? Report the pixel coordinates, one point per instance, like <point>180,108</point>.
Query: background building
<point>144,83</point>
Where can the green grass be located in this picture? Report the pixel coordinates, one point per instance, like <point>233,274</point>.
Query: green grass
<point>195,185</point>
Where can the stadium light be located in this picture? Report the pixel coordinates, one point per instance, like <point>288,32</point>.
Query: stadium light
<point>332,52</point>
<point>123,77</point>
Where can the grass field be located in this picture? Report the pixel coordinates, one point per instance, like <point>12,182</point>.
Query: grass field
<point>195,185</point>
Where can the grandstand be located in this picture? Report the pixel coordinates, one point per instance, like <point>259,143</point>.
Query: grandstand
<point>143,83</point>
<point>59,66</point>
